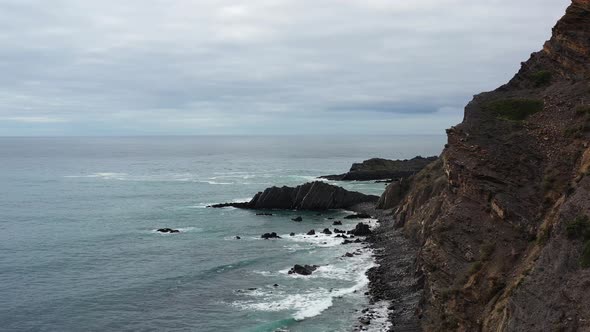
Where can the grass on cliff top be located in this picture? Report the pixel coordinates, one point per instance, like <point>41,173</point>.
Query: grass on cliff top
<point>514,109</point>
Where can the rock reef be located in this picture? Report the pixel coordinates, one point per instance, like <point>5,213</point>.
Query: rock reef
<point>310,196</point>
<point>382,169</point>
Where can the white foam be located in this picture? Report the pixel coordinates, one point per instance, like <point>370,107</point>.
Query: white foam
<point>319,240</point>
<point>379,317</point>
<point>305,305</point>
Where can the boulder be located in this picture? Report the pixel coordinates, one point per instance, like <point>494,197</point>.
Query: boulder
<point>264,214</point>
<point>272,235</point>
<point>327,231</point>
<point>312,232</point>
<point>292,234</point>
<point>337,223</point>
<point>303,269</point>
<point>297,219</point>
<point>309,196</point>
<point>361,229</point>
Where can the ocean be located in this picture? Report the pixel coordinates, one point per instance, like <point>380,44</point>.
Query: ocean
<point>79,250</point>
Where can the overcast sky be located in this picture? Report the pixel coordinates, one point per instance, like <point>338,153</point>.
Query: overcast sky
<point>149,67</point>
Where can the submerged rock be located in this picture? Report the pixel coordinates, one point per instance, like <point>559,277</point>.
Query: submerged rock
<point>272,235</point>
<point>297,219</point>
<point>168,230</point>
<point>309,196</point>
<point>303,269</point>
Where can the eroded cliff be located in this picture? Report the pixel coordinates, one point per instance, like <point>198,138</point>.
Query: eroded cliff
<point>500,217</point>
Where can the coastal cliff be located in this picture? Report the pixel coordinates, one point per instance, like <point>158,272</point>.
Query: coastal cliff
<point>500,220</point>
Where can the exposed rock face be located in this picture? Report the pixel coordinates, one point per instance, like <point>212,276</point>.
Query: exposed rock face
<point>379,169</point>
<point>310,196</point>
<point>490,218</point>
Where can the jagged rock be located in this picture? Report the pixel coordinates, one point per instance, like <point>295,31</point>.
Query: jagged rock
<point>310,196</point>
<point>327,231</point>
<point>338,231</point>
<point>303,269</point>
<point>312,232</point>
<point>337,223</point>
<point>348,254</point>
<point>361,229</point>
<point>379,169</point>
<point>168,230</point>
<point>297,219</point>
<point>272,235</point>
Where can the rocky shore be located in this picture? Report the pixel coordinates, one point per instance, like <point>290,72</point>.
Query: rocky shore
<point>377,169</point>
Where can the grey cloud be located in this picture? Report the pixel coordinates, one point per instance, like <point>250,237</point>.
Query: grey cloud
<point>214,66</point>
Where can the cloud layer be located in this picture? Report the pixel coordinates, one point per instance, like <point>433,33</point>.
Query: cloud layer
<point>81,67</point>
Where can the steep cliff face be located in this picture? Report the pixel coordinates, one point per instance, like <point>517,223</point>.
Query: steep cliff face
<point>500,218</point>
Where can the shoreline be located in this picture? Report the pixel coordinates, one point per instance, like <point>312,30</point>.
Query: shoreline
<point>394,278</point>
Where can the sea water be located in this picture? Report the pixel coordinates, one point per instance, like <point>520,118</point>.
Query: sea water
<point>79,249</point>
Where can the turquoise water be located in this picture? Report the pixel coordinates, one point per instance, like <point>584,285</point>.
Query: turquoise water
<point>78,249</point>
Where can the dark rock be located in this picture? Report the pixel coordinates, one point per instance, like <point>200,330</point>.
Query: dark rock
<point>337,223</point>
<point>365,320</point>
<point>379,169</point>
<point>238,238</point>
<point>298,219</point>
<point>338,231</point>
<point>347,242</point>
<point>358,241</point>
<point>312,232</point>
<point>348,255</point>
<point>303,269</point>
<point>292,234</point>
<point>327,231</point>
<point>358,216</point>
<point>310,196</point>
<point>361,230</point>
<point>272,235</point>
<point>264,214</point>
<point>275,285</point>
<point>168,230</point>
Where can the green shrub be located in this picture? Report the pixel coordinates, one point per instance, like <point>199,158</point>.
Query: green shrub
<point>542,78</point>
<point>583,110</point>
<point>514,109</point>
<point>585,259</point>
<point>579,228</point>
<point>475,267</point>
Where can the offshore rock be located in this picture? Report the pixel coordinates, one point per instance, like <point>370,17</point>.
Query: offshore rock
<point>380,169</point>
<point>310,196</point>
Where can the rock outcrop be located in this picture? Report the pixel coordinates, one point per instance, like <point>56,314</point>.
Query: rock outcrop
<point>310,196</point>
<point>492,218</point>
<point>380,169</point>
